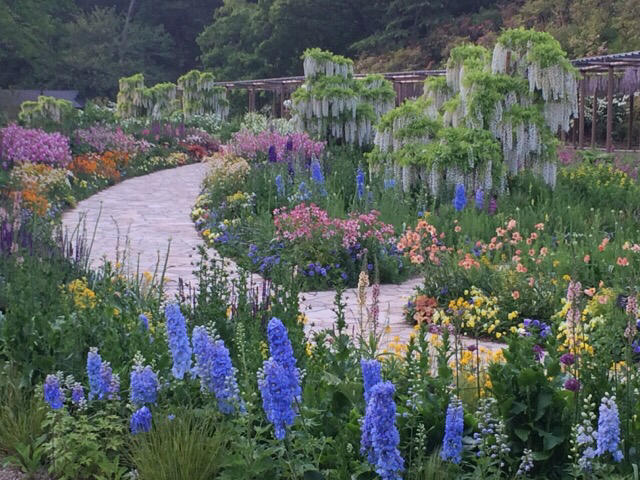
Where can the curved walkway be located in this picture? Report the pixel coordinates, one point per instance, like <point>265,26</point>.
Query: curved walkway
<point>134,222</point>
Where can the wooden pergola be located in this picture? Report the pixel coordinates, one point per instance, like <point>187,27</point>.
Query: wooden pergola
<point>618,73</point>
<point>406,84</point>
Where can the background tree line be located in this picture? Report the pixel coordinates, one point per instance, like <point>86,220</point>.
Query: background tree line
<point>89,44</point>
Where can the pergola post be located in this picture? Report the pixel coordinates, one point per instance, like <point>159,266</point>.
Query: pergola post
<point>610,110</point>
<point>281,101</point>
<point>252,100</point>
<point>581,114</point>
<point>630,131</point>
<point>594,115</point>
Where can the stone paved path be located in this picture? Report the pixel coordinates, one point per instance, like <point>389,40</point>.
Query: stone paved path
<point>135,220</point>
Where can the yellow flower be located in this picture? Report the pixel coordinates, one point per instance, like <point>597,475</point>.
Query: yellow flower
<point>264,350</point>
<point>555,263</point>
<point>566,277</point>
<point>512,315</point>
<point>229,311</point>
<point>302,319</point>
<point>309,349</point>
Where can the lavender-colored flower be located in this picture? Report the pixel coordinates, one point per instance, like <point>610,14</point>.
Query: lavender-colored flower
<point>289,145</point>
<point>279,186</point>
<point>479,198</point>
<point>460,198</point>
<point>538,352</point>
<point>282,352</point>
<point>318,176</point>
<point>526,462</point>
<point>109,383</point>
<point>77,394</point>
<point>389,183</point>
<point>360,182</point>
<point>144,321</point>
<point>273,156</point>
<point>140,421</point>
<point>380,437</point>
<point>454,426</point>
<point>572,384</point>
<point>370,376</point>
<point>52,392</point>
<point>608,436</point>
<point>144,385</point>
<point>178,341</point>
<point>214,368</point>
<point>94,364</point>
<point>303,192</point>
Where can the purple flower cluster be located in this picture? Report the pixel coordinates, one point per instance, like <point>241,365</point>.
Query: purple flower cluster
<point>140,421</point>
<point>274,145</point>
<point>213,366</point>
<point>536,327</point>
<point>608,436</point>
<point>103,384</point>
<point>459,198</point>
<point>144,385</point>
<point>380,437</point>
<point>101,138</point>
<point>52,392</point>
<point>30,145</point>
<point>279,380</point>
<point>178,341</point>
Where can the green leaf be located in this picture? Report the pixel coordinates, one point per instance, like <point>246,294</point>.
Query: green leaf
<point>313,475</point>
<point>551,441</point>
<point>522,433</point>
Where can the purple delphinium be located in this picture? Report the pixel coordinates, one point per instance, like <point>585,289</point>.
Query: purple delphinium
<point>479,199</point>
<point>52,392</point>
<point>493,206</point>
<point>454,426</point>
<point>144,321</point>
<point>140,421</point>
<point>178,341</point>
<point>360,182</point>
<point>273,156</point>
<point>538,352</point>
<point>109,383</point>
<point>380,438</point>
<point>282,352</point>
<point>77,394</point>
<point>370,376</point>
<point>144,385</point>
<point>94,364</point>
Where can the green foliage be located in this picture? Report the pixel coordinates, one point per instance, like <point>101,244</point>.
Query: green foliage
<point>192,445</point>
<point>539,47</point>
<point>472,57</point>
<point>48,113</point>
<point>86,445</point>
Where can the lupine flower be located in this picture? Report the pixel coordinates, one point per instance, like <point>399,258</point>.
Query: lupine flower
<point>291,171</point>
<point>380,437</point>
<point>303,192</point>
<point>140,421</point>
<point>213,366</point>
<point>273,156</point>
<point>608,436</point>
<point>77,394</point>
<point>279,185</point>
<point>460,198</point>
<point>144,385</point>
<point>94,364</point>
<point>479,197</point>
<point>289,145</point>
<point>52,392</point>
<point>370,376</point>
<point>277,396</point>
<point>360,182</point>
<point>491,441</point>
<point>144,321</point>
<point>178,341</point>
<point>454,426</point>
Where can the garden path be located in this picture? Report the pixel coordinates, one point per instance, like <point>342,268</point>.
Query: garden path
<point>135,220</point>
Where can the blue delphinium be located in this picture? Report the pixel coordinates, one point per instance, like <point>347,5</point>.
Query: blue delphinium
<point>454,425</point>
<point>389,183</point>
<point>479,197</point>
<point>144,385</point>
<point>109,383</point>
<point>380,438</point>
<point>215,370</point>
<point>273,156</point>
<point>77,394</point>
<point>608,436</point>
<point>360,182</point>
<point>94,363</point>
<point>303,192</point>
<point>140,421</point>
<point>460,198</point>
<point>279,185</point>
<point>282,352</point>
<point>318,176</point>
<point>370,376</point>
<point>52,392</point>
<point>178,341</point>
<point>144,321</point>
<point>289,145</point>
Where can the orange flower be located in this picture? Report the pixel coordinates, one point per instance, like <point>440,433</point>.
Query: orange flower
<point>468,262</point>
<point>622,261</point>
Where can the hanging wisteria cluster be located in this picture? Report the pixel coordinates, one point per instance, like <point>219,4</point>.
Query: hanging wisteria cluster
<point>332,103</point>
<point>198,95</point>
<point>520,96</point>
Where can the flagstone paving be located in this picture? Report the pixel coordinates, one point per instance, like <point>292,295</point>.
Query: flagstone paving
<point>140,221</point>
